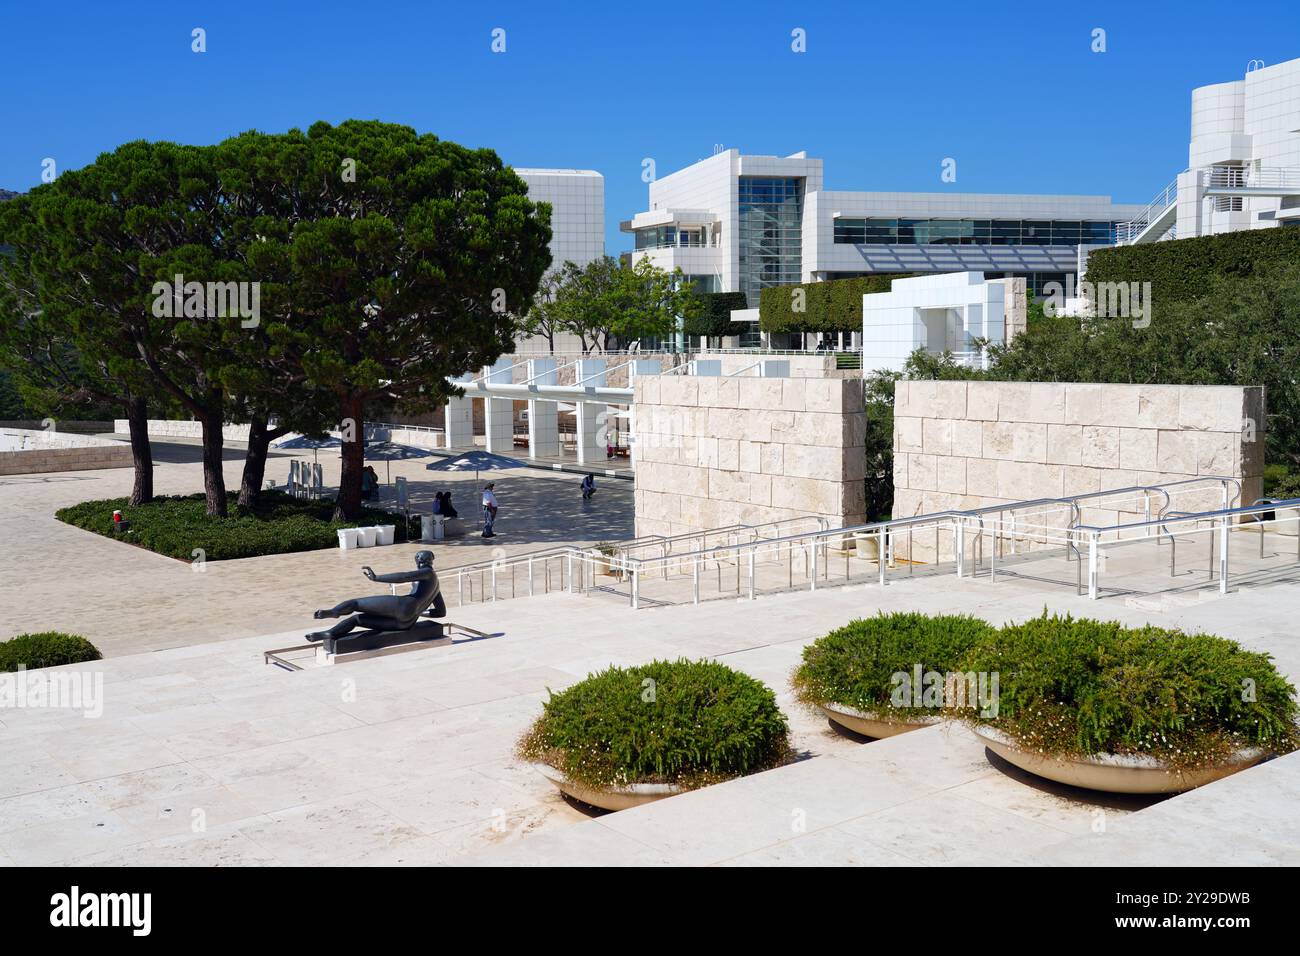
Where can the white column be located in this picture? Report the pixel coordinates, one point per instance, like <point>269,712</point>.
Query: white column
<point>591,415</point>
<point>499,413</point>
<point>543,417</point>
<point>458,422</point>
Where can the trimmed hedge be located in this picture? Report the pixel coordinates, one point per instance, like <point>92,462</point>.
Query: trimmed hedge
<point>45,649</point>
<point>688,723</point>
<point>1182,269</point>
<point>856,665</point>
<point>178,526</point>
<point>715,316</point>
<point>832,306</point>
<point>1081,687</point>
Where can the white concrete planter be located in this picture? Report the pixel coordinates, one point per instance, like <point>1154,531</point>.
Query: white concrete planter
<point>387,533</point>
<point>349,539</point>
<point>1288,526</point>
<point>870,725</point>
<point>367,537</point>
<point>868,546</point>
<point>1113,773</point>
<point>600,563</point>
<point>621,798</point>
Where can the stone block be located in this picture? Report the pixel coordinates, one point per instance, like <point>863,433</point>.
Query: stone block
<point>982,401</point>
<point>1138,448</point>
<point>909,435</point>
<point>1215,452</point>
<point>1100,447</point>
<point>1029,441</point>
<point>792,394</point>
<point>773,458</point>
<point>950,475</point>
<point>1064,444</point>
<point>1176,451</point>
<point>761,393</point>
<point>998,440</point>
<point>1046,403</point>
<point>1211,408</point>
<point>679,390</point>
<point>922,472</point>
<point>814,461</point>
<point>936,436</point>
<point>982,477</point>
<point>967,439</point>
<point>729,454</point>
<point>1157,406</point>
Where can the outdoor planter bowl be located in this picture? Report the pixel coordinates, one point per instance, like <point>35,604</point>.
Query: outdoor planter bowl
<point>1113,773</point>
<point>348,539</point>
<point>387,532</point>
<point>870,725</point>
<point>367,537</point>
<point>609,798</point>
<point>868,546</point>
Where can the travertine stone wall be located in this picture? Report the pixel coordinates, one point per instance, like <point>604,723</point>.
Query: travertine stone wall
<point>740,450</point>
<point>30,452</point>
<point>968,444</point>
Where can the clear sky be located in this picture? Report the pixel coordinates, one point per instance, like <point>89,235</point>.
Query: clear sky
<point>884,93</point>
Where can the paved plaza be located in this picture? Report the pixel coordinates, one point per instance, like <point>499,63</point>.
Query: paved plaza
<point>204,754</point>
<point>122,598</point>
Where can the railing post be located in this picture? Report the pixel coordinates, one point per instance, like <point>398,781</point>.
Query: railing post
<point>812,557</point>
<point>1224,531</point>
<point>494,580</point>
<point>569,558</point>
<point>695,579</point>
<point>530,575</point>
<point>1092,565</point>
<point>959,545</point>
<point>882,556</point>
<point>460,586</point>
<point>751,574</point>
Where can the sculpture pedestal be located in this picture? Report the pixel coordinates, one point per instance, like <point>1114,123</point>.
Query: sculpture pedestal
<point>423,632</point>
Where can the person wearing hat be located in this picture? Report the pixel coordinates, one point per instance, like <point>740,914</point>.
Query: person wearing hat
<point>489,510</point>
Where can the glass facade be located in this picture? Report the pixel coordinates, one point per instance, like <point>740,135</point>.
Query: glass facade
<point>970,232</point>
<point>667,237</point>
<point>771,233</point>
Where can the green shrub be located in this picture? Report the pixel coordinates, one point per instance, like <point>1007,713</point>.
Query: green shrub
<point>689,723</point>
<point>856,665</point>
<point>1081,687</point>
<point>46,649</point>
<point>179,526</point>
<point>714,318</point>
<point>832,306</point>
<point>1284,486</point>
<point>1183,269</point>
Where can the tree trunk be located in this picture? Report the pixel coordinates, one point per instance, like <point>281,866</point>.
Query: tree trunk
<point>214,479</point>
<point>259,441</point>
<point>348,504</point>
<point>137,417</point>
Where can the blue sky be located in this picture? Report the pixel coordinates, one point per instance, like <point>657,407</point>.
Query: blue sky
<point>884,93</point>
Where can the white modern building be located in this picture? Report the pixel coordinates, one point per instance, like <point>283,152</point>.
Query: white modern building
<point>734,222</point>
<point>940,313</point>
<point>1243,162</point>
<point>577,198</point>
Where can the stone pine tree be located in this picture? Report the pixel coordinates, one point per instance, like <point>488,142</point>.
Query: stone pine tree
<point>70,295</point>
<point>411,258</point>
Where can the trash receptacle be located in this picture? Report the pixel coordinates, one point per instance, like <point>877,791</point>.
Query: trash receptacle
<point>426,529</point>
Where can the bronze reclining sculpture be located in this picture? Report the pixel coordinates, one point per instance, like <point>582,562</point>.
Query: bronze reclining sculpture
<point>388,618</point>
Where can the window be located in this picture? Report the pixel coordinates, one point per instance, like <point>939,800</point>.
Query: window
<point>965,232</point>
<point>771,233</point>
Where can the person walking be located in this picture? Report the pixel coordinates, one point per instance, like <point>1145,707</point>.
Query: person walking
<point>489,510</point>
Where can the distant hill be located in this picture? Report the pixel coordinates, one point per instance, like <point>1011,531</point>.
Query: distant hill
<point>7,194</point>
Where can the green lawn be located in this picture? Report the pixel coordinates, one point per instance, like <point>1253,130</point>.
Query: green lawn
<point>178,526</point>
